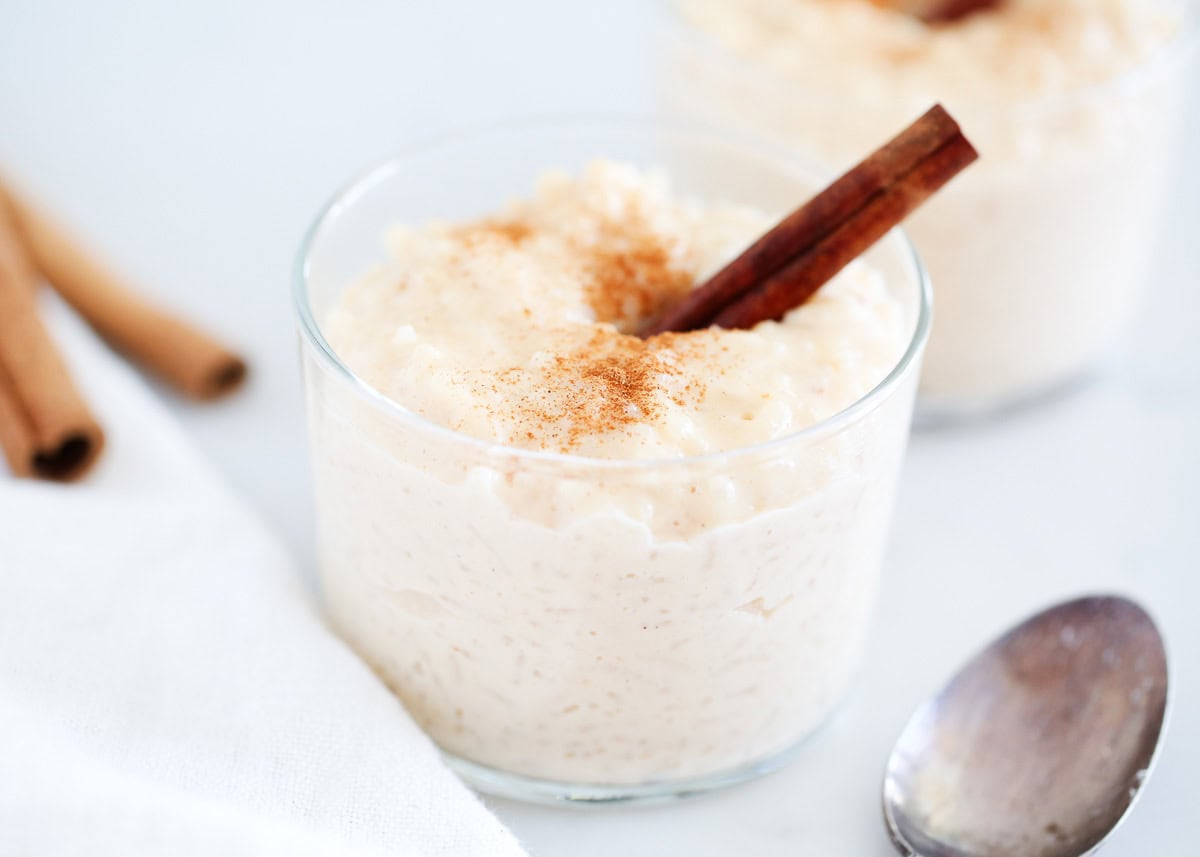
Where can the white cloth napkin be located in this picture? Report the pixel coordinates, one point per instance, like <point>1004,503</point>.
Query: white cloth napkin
<point>168,688</point>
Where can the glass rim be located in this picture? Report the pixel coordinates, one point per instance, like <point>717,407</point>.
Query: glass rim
<point>360,182</point>
<point>1131,81</point>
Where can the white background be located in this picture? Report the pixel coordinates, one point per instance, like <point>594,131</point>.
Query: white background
<point>194,142</point>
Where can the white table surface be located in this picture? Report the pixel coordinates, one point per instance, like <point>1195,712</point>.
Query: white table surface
<point>193,142</point>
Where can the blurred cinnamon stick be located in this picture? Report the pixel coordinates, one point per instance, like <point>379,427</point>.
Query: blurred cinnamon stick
<point>938,11</point>
<point>46,429</point>
<point>178,353</point>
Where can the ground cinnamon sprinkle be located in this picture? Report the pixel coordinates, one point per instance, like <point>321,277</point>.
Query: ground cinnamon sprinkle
<point>613,381</point>
<point>632,283</point>
<point>510,230</point>
<point>569,378</point>
<point>615,378</point>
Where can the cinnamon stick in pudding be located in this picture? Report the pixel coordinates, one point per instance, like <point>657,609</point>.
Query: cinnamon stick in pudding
<point>187,358</point>
<point>785,267</point>
<point>938,11</point>
<point>46,429</point>
<point>814,267</point>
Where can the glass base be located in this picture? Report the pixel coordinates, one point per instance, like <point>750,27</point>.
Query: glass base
<point>505,784</point>
<point>934,412</point>
<point>498,783</point>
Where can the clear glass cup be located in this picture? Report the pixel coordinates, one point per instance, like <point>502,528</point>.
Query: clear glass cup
<point>1039,250</point>
<point>581,629</point>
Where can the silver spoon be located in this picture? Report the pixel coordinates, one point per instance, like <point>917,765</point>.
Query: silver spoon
<point>1040,745</point>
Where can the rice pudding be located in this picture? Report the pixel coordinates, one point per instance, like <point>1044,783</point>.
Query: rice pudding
<point>585,557</point>
<point>1038,254</point>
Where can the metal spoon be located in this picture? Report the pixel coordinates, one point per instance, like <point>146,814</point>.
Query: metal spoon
<point>1040,745</point>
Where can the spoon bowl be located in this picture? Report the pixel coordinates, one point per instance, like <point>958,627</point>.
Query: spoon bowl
<point>1040,745</point>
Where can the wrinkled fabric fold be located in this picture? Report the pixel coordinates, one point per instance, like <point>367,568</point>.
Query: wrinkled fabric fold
<point>167,685</point>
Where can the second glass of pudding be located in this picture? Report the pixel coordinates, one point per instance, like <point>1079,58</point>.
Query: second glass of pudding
<point>1038,252</point>
<point>593,566</point>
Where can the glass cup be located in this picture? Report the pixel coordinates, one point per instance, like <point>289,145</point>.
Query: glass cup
<point>1038,251</point>
<point>568,628</point>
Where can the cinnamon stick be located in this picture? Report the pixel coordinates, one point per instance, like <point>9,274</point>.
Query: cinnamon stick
<point>16,435</point>
<point>187,358</point>
<point>46,429</point>
<point>785,267</point>
<point>938,11</point>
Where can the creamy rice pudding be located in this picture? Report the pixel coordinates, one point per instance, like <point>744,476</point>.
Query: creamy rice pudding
<point>515,329</point>
<point>586,557</point>
<point>1037,255</point>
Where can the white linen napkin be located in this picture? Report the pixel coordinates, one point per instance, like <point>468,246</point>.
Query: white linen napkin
<point>168,688</point>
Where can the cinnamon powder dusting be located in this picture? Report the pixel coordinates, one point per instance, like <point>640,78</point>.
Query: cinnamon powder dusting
<point>613,381</point>
<point>513,231</point>
<point>632,283</point>
<point>608,379</point>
